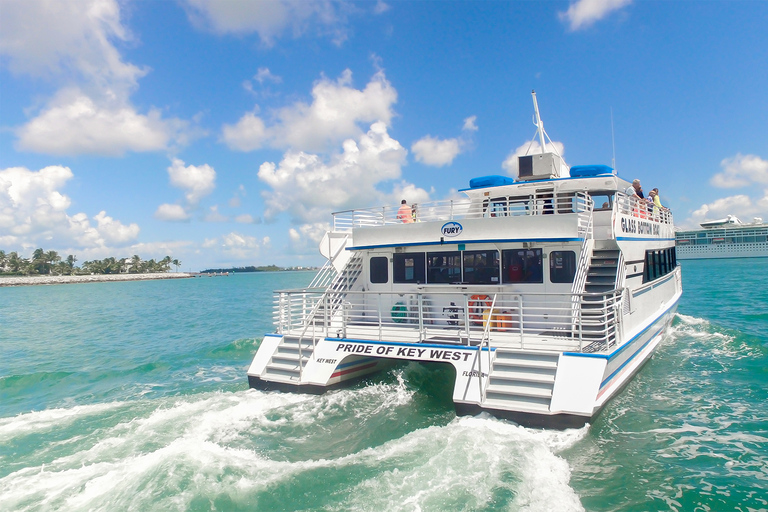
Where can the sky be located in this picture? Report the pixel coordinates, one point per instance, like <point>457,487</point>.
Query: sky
<point>225,133</point>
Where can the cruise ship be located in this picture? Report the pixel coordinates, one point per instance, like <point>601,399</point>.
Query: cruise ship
<point>545,294</point>
<point>725,238</point>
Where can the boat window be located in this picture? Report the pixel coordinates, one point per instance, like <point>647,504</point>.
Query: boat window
<point>603,200</point>
<point>562,266</point>
<point>408,267</point>
<point>659,263</point>
<point>522,266</point>
<point>444,267</point>
<point>379,269</point>
<point>481,267</point>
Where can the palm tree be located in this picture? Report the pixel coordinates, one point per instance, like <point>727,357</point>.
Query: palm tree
<point>14,262</point>
<point>165,264</point>
<point>135,267</point>
<point>71,259</point>
<point>176,263</point>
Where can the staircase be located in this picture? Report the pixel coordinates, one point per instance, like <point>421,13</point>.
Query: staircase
<point>285,365</point>
<point>521,381</point>
<point>595,319</point>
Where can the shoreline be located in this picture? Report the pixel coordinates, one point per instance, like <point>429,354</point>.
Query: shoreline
<point>95,278</point>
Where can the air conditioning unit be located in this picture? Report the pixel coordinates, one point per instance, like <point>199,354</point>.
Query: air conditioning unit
<point>543,166</point>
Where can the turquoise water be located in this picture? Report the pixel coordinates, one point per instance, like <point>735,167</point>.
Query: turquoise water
<point>133,396</point>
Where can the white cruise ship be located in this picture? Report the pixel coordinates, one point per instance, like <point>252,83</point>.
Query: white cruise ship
<point>545,294</point>
<point>725,238</point>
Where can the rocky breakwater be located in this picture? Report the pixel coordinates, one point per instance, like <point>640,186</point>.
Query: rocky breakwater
<point>95,278</point>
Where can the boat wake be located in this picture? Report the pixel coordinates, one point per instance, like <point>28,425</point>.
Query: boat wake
<point>356,448</point>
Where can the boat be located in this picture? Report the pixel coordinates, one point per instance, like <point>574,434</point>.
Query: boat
<point>724,238</point>
<point>545,294</point>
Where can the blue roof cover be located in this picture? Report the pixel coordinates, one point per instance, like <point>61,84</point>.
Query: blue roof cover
<point>490,181</point>
<point>580,171</point>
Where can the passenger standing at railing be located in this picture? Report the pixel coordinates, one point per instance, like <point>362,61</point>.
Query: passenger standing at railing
<point>635,192</point>
<point>404,213</point>
<point>414,213</point>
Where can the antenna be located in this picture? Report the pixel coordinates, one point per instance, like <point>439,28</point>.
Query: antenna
<point>540,129</point>
<point>613,143</point>
<point>539,123</point>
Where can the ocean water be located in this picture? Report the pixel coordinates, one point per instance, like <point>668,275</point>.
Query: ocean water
<point>133,396</point>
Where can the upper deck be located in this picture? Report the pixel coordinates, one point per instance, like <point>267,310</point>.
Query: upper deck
<point>559,210</point>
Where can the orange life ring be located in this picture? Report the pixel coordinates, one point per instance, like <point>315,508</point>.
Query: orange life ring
<point>477,305</point>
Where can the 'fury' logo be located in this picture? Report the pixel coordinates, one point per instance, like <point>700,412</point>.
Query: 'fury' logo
<point>451,229</point>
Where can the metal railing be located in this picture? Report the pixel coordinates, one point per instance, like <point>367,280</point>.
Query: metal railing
<point>642,209</point>
<point>542,202</point>
<point>526,321</point>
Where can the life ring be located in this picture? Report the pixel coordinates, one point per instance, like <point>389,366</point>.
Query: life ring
<point>399,313</point>
<point>477,305</point>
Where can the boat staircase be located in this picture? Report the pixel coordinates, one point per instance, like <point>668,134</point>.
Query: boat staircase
<point>597,322</point>
<point>294,351</point>
<point>521,381</point>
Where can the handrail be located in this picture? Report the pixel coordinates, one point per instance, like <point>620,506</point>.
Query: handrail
<point>420,316</point>
<point>542,202</point>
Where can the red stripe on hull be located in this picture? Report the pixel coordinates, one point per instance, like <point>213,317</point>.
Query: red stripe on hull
<point>353,370</point>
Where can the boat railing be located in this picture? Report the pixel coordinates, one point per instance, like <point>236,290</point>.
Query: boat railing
<point>459,209</point>
<point>642,209</point>
<point>526,321</point>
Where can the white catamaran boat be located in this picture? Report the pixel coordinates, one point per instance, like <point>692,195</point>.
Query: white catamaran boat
<point>546,294</point>
<point>724,238</point>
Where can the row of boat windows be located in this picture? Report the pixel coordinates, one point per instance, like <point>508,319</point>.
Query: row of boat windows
<point>659,263</point>
<point>723,240</point>
<point>474,267</point>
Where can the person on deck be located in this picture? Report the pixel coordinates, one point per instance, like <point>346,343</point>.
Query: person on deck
<point>404,213</point>
<point>635,192</point>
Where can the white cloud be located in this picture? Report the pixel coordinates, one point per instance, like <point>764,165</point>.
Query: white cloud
<point>511,164</point>
<point>172,213</point>
<point>741,206</point>
<point>44,38</point>
<point>113,231</point>
<point>197,181</point>
<point>381,7</point>
<point>250,133</point>
<point>214,215</point>
<point>305,238</point>
<point>246,218</point>
<point>265,75</point>
<point>470,124</point>
<point>741,171</point>
<point>33,212</point>
<point>269,19</point>
<point>584,13</point>
<point>309,188</point>
<point>72,43</point>
<point>336,113</point>
<point>437,152</point>
<point>73,124</point>
<point>236,247</point>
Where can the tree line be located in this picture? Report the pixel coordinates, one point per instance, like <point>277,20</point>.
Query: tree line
<point>51,263</point>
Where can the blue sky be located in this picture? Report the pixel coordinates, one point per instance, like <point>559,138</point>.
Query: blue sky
<point>225,133</point>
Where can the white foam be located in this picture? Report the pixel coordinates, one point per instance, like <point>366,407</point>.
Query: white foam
<point>190,448</point>
<point>692,320</point>
<point>38,421</point>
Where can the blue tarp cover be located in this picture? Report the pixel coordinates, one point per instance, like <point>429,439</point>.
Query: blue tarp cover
<point>490,181</point>
<point>578,171</point>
